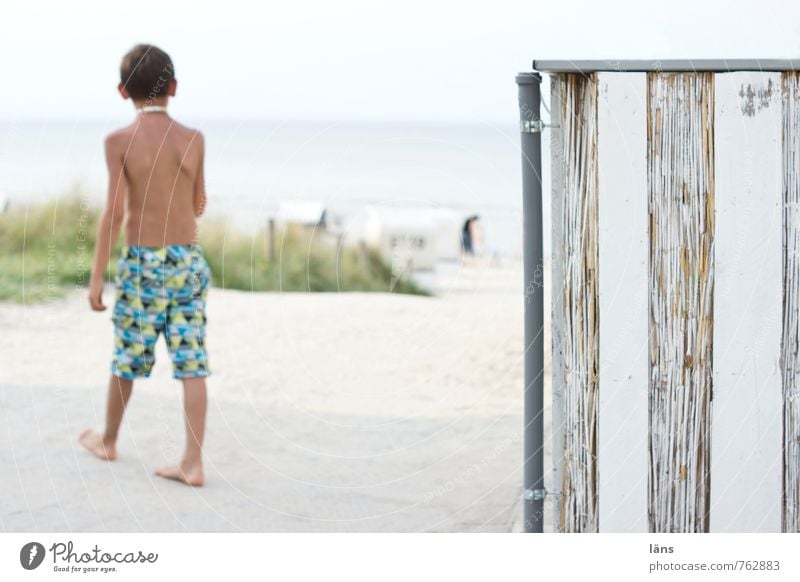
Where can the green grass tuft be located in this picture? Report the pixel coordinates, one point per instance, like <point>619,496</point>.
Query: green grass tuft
<point>48,250</point>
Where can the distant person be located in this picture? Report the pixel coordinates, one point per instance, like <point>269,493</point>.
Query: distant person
<point>471,237</point>
<point>156,190</point>
<point>467,232</point>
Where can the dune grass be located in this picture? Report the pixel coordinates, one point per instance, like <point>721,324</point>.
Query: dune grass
<point>47,249</point>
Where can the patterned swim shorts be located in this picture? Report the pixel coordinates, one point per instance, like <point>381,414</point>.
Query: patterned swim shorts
<point>161,290</point>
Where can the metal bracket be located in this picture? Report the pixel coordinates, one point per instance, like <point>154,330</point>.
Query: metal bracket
<point>534,126</point>
<point>534,494</point>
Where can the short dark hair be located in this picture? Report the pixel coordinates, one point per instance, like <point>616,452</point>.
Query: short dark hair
<point>146,72</point>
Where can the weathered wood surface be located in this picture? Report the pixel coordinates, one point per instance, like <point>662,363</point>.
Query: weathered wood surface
<point>623,292</point>
<point>746,455</point>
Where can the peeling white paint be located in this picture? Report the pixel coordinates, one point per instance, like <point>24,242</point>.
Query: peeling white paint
<point>791,302</point>
<point>558,331</point>
<point>623,291</point>
<point>753,97</point>
<point>746,454</point>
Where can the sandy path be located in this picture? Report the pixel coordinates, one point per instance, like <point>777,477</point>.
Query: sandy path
<point>328,412</point>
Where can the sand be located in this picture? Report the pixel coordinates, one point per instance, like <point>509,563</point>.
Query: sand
<point>328,412</point>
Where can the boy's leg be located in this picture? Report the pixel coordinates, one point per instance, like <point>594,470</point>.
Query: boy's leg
<point>195,403</point>
<point>185,333</point>
<point>105,445</point>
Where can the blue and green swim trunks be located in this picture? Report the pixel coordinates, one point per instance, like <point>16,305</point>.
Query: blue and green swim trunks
<point>161,290</point>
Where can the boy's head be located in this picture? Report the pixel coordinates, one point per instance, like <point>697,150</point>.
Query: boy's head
<point>147,75</point>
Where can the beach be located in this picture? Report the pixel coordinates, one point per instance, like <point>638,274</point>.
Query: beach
<point>327,412</point>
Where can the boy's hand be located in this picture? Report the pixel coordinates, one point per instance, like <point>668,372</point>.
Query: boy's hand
<point>96,295</point>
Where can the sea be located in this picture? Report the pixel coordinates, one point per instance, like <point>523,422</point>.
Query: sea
<point>254,166</point>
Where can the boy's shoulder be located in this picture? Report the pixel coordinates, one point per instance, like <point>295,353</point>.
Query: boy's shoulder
<point>123,135</point>
<point>192,134</point>
<point>119,136</point>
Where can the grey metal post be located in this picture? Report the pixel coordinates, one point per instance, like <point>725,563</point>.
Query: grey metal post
<point>271,240</point>
<point>529,85</point>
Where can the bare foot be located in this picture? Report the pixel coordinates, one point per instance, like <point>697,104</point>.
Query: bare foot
<point>93,442</point>
<point>188,473</point>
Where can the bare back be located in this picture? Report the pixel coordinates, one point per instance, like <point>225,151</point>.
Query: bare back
<point>162,167</point>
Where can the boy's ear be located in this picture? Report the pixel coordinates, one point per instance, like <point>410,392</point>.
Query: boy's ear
<point>172,87</point>
<point>123,91</point>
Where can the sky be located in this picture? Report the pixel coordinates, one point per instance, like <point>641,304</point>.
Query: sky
<point>366,60</point>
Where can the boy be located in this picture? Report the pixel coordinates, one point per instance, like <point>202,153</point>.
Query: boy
<point>156,188</point>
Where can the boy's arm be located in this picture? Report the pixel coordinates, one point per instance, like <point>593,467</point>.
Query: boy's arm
<point>110,222</point>
<point>200,180</point>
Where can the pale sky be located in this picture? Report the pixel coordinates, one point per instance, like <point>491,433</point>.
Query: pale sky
<point>427,60</point>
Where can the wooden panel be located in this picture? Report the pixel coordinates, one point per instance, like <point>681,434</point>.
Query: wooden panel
<point>557,299</point>
<point>791,302</point>
<point>746,454</point>
<point>681,205</point>
<point>623,292</point>
<point>575,312</point>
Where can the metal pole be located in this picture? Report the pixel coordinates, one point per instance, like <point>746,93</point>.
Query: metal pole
<point>271,237</point>
<point>529,85</point>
